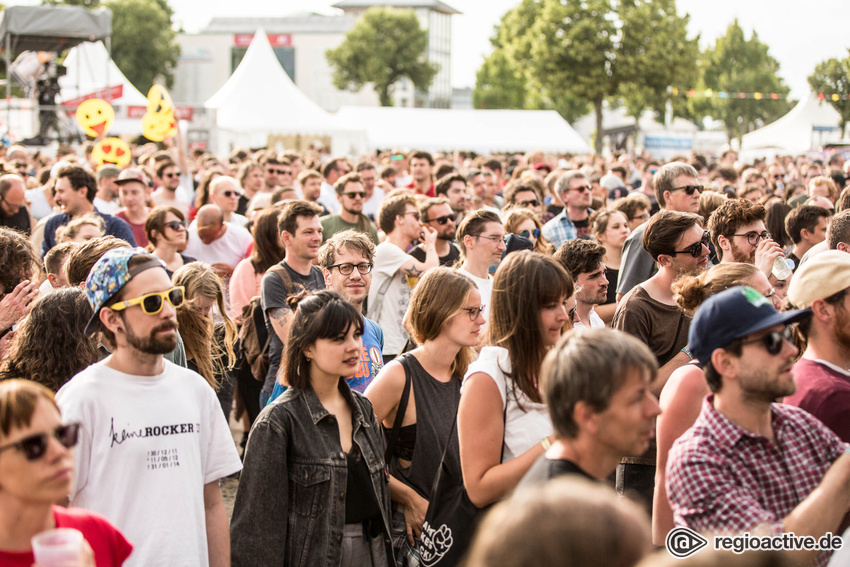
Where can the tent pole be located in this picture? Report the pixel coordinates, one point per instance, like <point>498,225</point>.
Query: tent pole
<point>8,91</point>
<point>108,45</point>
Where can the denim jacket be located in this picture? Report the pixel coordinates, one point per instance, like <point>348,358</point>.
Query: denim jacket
<point>290,505</point>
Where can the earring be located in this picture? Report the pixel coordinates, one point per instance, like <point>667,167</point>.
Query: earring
<point>308,358</point>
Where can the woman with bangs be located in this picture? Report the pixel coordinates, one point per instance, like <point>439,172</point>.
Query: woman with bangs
<point>313,489</point>
<point>503,425</point>
<point>525,222</point>
<point>416,395</point>
<point>37,470</point>
<point>165,228</point>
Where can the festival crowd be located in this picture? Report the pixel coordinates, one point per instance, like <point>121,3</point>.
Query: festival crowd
<point>503,360</point>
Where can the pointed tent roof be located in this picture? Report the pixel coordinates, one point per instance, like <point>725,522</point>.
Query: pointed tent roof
<point>90,70</point>
<point>793,133</point>
<point>259,97</point>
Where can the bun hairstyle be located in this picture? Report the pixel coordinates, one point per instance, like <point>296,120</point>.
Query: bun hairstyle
<point>691,291</point>
<point>320,315</point>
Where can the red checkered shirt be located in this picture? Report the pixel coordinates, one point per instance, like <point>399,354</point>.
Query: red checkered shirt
<point>724,479</point>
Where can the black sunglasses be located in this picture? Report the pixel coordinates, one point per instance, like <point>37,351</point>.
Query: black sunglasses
<point>34,446</point>
<point>526,233</point>
<point>533,203</point>
<point>689,189</point>
<point>695,249</point>
<point>773,342</point>
<point>355,194</point>
<point>176,224</point>
<point>230,194</point>
<point>441,220</point>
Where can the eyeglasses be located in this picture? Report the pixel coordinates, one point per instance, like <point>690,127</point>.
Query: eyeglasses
<point>35,446</point>
<point>13,207</point>
<point>278,171</point>
<point>527,233</point>
<point>695,249</point>
<point>582,188</point>
<point>170,175</point>
<point>643,217</point>
<point>176,224</point>
<point>473,312</point>
<point>348,269</point>
<point>355,195</point>
<point>689,189</point>
<point>754,237</point>
<point>771,294</point>
<point>152,302</point>
<point>442,220</point>
<point>773,342</point>
<point>414,213</point>
<point>494,239</point>
<point>533,203</point>
<point>230,194</point>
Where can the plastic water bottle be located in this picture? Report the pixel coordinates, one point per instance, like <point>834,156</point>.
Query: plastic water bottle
<point>781,270</point>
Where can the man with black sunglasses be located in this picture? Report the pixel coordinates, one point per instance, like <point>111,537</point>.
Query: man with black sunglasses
<point>750,464</point>
<point>574,221</point>
<point>153,440</point>
<point>438,214</point>
<point>350,196</point>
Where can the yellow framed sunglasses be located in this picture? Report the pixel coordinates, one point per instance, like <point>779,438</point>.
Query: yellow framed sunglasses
<point>152,302</point>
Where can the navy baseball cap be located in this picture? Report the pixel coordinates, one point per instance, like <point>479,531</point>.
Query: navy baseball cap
<point>733,314</point>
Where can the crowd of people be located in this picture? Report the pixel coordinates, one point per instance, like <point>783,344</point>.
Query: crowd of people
<point>418,348</point>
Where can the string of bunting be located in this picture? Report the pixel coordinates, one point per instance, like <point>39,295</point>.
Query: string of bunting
<point>709,93</point>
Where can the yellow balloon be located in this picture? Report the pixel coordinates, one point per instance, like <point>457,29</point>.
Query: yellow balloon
<point>95,116</point>
<point>111,150</point>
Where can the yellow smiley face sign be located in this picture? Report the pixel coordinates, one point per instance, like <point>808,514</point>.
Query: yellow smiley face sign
<point>95,116</point>
<point>111,150</point>
<point>159,121</point>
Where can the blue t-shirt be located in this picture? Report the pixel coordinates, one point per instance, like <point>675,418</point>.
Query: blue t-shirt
<point>371,360</point>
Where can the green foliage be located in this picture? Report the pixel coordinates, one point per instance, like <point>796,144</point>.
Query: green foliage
<point>833,77</point>
<point>385,45</point>
<point>736,64</point>
<point>579,54</point>
<point>499,84</point>
<point>144,44</point>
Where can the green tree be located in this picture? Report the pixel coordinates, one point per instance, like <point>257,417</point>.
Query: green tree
<point>499,84</point>
<point>736,64</point>
<point>144,43</point>
<point>385,45</point>
<point>596,50</point>
<point>833,77</point>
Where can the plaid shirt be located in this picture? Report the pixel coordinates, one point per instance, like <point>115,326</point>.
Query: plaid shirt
<point>561,228</point>
<point>724,479</point>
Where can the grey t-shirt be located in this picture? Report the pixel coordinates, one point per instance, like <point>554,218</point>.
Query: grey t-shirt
<point>637,265</point>
<point>273,296</point>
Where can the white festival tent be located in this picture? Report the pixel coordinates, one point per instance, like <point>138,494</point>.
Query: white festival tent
<point>260,100</point>
<point>481,131</point>
<point>811,123</point>
<point>91,71</point>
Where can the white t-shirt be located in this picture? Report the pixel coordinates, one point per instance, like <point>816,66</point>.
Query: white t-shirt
<point>370,207</point>
<point>524,428</point>
<point>389,311</point>
<point>106,207</point>
<point>485,288</point>
<point>39,207</point>
<point>230,249</point>
<point>148,445</point>
<point>327,197</point>
<point>596,321</point>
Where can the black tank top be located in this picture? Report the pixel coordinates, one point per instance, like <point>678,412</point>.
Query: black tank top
<point>436,409</point>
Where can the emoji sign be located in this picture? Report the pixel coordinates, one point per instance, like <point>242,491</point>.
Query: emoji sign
<point>159,122</point>
<point>111,150</point>
<point>95,116</point>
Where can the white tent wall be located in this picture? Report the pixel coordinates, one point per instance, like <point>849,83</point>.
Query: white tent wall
<point>812,122</point>
<point>481,131</point>
<point>259,103</point>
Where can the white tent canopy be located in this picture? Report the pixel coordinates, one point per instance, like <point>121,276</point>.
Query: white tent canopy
<point>259,99</point>
<point>481,131</point>
<point>811,123</point>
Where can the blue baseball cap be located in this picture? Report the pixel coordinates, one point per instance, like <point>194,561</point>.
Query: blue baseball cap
<point>733,314</point>
<point>111,273</point>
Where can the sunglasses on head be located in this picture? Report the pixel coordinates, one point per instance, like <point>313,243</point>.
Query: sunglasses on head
<point>528,233</point>
<point>152,302</point>
<point>176,224</point>
<point>695,249</point>
<point>35,446</point>
<point>441,220</point>
<point>689,189</point>
<point>773,342</point>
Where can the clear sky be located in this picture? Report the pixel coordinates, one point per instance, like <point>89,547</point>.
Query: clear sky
<point>799,34</point>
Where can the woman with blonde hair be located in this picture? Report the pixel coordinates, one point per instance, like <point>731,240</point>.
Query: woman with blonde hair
<point>416,395</point>
<point>81,229</point>
<point>503,425</point>
<point>209,345</point>
<point>524,222</point>
<point>682,395</point>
